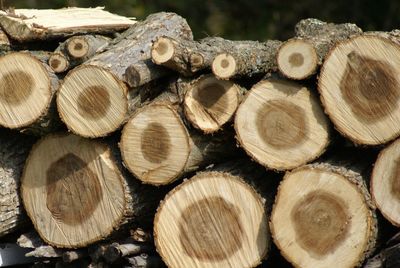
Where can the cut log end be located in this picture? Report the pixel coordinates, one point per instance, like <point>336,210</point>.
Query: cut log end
<point>58,62</point>
<point>385,182</point>
<point>224,66</point>
<point>328,222</point>
<point>359,86</point>
<point>203,223</point>
<point>209,103</point>
<point>70,192</point>
<point>25,90</point>
<point>92,102</point>
<point>77,47</point>
<point>155,145</point>
<point>284,120</point>
<point>297,59</point>
<point>196,61</point>
<point>162,50</point>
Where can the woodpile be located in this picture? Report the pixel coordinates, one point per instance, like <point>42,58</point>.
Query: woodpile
<point>128,143</point>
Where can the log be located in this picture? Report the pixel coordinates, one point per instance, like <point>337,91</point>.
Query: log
<point>384,185</point>
<point>5,44</point>
<point>214,219</point>
<point>210,103</point>
<point>246,59</point>
<point>359,89</point>
<point>323,216</point>
<point>92,99</point>
<point>187,56</point>
<point>71,185</point>
<point>26,25</point>
<point>281,125</point>
<point>76,50</point>
<point>116,251</point>
<point>13,153</point>
<point>300,57</point>
<point>27,93</point>
<point>158,148</point>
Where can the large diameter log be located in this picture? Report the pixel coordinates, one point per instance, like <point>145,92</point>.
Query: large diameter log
<point>246,59</point>
<point>158,149</point>
<point>281,125</point>
<point>92,99</point>
<point>385,186</point>
<point>76,50</point>
<point>76,193</point>
<point>299,58</point>
<point>323,216</point>
<point>359,87</point>
<point>209,103</point>
<point>27,93</point>
<point>34,24</point>
<point>213,219</point>
<point>134,47</point>
<point>13,152</point>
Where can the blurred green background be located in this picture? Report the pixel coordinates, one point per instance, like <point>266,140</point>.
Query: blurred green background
<point>245,19</point>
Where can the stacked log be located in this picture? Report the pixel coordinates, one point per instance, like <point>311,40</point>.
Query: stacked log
<point>157,149</point>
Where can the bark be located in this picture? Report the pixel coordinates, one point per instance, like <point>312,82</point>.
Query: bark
<point>14,151</point>
<point>116,251</point>
<point>134,45</point>
<point>145,261</point>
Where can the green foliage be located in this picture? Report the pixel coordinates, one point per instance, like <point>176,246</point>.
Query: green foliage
<point>245,19</point>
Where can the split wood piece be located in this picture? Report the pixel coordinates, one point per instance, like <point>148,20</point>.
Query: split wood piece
<point>128,57</point>
<point>27,93</point>
<point>145,261</point>
<point>33,24</point>
<point>129,247</point>
<point>13,153</point>
<point>359,87</point>
<point>299,58</point>
<point>246,59</point>
<point>281,125</point>
<point>210,103</point>
<point>158,149</point>
<point>323,216</point>
<point>67,188</point>
<point>212,220</point>
<point>385,183</point>
<point>92,102</point>
<point>76,50</point>
<point>187,56</point>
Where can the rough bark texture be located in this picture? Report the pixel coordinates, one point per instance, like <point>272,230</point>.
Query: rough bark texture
<point>129,247</point>
<point>324,35</point>
<point>13,152</point>
<point>145,261</point>
<point>251,58</point>
<point>133,47</point>
<point>95,44</point>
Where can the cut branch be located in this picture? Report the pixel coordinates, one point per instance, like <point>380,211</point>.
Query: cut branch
<point>281,125</point>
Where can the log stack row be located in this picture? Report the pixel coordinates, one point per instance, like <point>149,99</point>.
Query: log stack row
<point>130,144</point>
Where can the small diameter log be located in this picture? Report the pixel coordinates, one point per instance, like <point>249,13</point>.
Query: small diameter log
<point>27,93</point>
<point>299,58</point>
<point>13,152</point>
<point>214,219</point>
<point>281,125</point>
<point>92,99</point>
<point>323,216</point>
<point>209,103</point>
<point>116,251</point>
<point>385,183</point>
<point>246,59</point>
<point>133,48</point>
<point>158,149</point>
<point>75,193</point>
<point>145,261</point>
<point>359,89</point>
<point>187,56</point>
<point>76,50</point>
